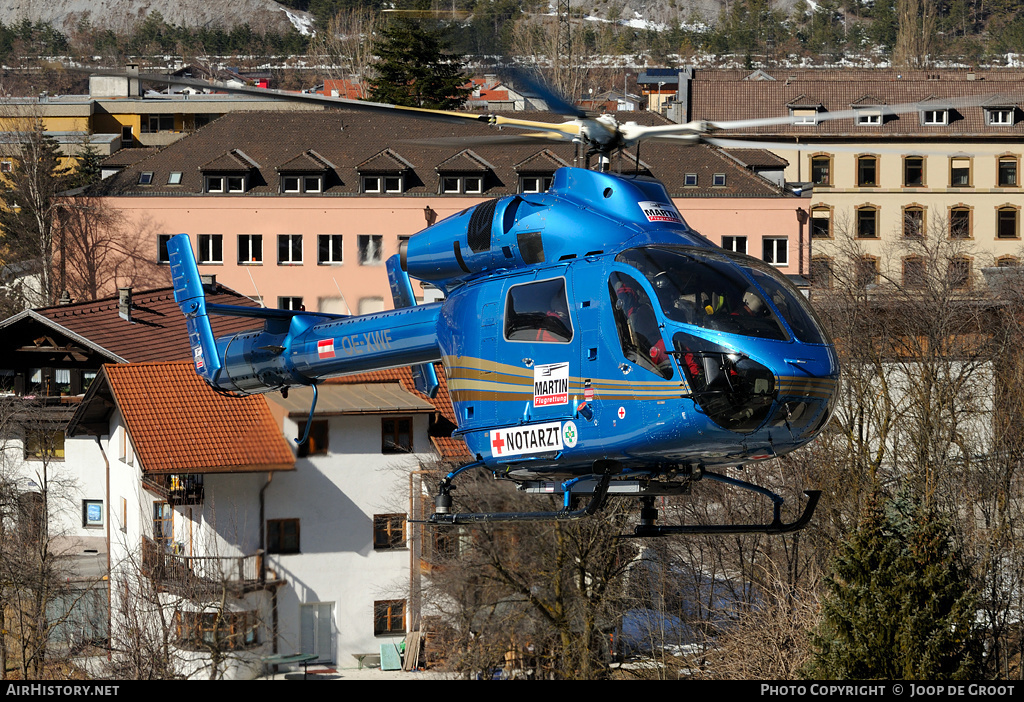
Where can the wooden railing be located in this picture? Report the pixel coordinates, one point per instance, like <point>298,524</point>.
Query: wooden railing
<point>172,570</point>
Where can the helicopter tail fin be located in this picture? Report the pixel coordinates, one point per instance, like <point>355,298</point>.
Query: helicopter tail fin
<point>191,298</point>
<point>423,375</point>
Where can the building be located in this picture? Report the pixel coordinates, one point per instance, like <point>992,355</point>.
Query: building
<point>205,497</point>
<point>309,216</point>
<point>914,153</point>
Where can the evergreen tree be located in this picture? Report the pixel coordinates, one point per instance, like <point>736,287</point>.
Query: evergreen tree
<point>898,606</point>
<point>414,69</point>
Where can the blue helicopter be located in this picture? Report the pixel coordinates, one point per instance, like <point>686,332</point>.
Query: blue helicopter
<point>595,346</point>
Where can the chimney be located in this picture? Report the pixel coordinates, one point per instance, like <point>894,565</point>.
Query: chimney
<point>124,304</point>
<point>209,281</point>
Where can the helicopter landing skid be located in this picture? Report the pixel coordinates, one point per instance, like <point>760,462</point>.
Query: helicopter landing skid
<point>649,514</point>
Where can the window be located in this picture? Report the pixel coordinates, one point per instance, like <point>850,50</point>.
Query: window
<point>821,170</point>
<point>534,184</point>
<point>538,311</point>
<point>775,250</point>
<point>146,178</point>
<point>1006,222</point>
<point>718,180</point>
<point>211,248</point>
<point>282,536</point>
<point>388,617</point>
<point>302,183</point>
<point>370,249</point>
<point>913,272</point>
<point>735,243</point>
<point>867,271</point>
<point>960,272</point>
<point>637,325</point>
<point>163,525</point>
<point>462,184</point>
<point>867,222</point>
<point>934,118</point>
<point>369,305</point>
<point>959,172</point>
<point>869,119</point>
<point>44,443</point>
<point>1001,117</point>
<point>388,531</point>
<point>1007,262</point>
<point>224,184</point>
<point>174,178</point>
<point>289,249</point>
<point>821,272</point>
<point>6,166</point>
<point>157,123</point>
<point>867,171</point>
<point>382,184</point>
<point>960,222</point>
<point>396,435</point>
<point>805,116</point>
<point>913,171</point>
<point>317,444</point>
<point>1007,177</point>
<point>250,249</point>
<point>328,249</point>
<point>290,303</point>
<point>92,513</point>
<point>821,222</point>
<point>162,255</point>
<point>913,222</point>
<point>690,180</point>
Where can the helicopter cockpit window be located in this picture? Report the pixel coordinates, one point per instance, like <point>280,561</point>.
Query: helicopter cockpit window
<point>637,325</point>
<point>705,289</point>
<point>538,311</point>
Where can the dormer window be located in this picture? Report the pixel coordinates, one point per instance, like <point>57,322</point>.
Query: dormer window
<point>302,183</point>
<point>999,117</point>
<point>146,178</point>
<point>805,116</point>
<point>470,185</point>
<point>382,184</point>
<point>535,183</point>
<point>934,118</point>
<point>869,119</point>
<point>225,183</point>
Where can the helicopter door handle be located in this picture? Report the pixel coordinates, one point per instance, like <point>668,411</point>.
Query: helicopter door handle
<point>624,368</point>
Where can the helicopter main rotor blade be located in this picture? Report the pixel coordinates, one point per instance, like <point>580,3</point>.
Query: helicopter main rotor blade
<point>899,109</point>
<point>819,145</point>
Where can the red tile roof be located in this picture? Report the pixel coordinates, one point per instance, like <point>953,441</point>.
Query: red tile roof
<point>158,330</point>
<point>178,424</point>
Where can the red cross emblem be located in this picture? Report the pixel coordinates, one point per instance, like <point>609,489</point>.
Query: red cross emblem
<point>497,443</point>
<point>622,413</point>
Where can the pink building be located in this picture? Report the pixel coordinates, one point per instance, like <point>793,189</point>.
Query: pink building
<point>304,208</point>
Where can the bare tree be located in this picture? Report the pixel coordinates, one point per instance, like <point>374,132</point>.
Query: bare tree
<point>344,49</point>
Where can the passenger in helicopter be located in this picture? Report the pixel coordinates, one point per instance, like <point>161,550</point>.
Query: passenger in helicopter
<point>642,323</point>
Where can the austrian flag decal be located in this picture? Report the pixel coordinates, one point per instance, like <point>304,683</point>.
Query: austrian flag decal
<point>325,348</point>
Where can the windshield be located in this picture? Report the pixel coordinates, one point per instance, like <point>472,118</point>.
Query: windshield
<point>705,289</point>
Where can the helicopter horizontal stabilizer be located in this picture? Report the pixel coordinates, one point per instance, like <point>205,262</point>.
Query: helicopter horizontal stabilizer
<point>191,298</point>
<point>424,376</point>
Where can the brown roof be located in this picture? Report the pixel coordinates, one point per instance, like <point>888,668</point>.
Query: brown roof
<point>158,331</point>
<point>725,95</point>
<point>178,424</point>
<point>449,448</point>
<point>357,143</point>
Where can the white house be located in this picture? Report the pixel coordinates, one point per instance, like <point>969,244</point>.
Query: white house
<point>254,547</point>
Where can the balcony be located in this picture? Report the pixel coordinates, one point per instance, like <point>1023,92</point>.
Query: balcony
<point>178,489</point>
<point>202,576</point>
